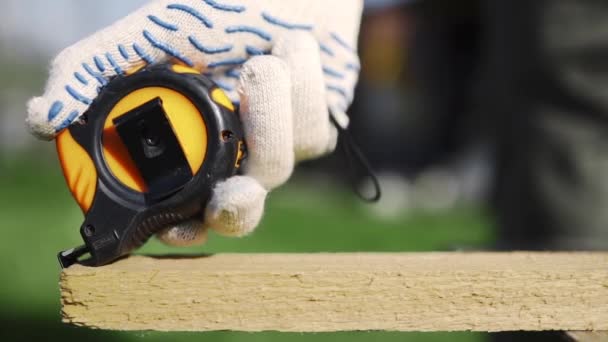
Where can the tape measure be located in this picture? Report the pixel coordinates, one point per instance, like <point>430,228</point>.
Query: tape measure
<point>146,155</point>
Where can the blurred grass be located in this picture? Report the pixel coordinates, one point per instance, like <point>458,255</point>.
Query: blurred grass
<point>38,218</point>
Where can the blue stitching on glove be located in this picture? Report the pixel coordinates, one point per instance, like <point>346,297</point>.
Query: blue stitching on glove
<point>198,15</point>
<point>233,73</point>
<point>123,52</point>
<point>114,65</point>
<point>224,7</point>
<point>282,23</point>
<point>324,48</point>
<point>253,51</point>
<point>99,64</point>
<point>227,62</point>
<point>81,78</point>
<point>96,75</point>
<point>56,108</point>
<point>353,67</point>
<point>223,85</point>
<point>142,53</point>
<point>333,73</point>
<point>342,42</point>
<point>209,50</point>
<point>68,121</point>
<point>77,96</point>
<point>162,23</point>
<point>338,90</point>
<point>249,29</point>
<point>167,48</point>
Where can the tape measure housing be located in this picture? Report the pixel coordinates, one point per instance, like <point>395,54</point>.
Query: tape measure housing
<point>148,153</point>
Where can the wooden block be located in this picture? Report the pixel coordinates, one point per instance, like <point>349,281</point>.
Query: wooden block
<point>343,292</point>
<point>588,336</point>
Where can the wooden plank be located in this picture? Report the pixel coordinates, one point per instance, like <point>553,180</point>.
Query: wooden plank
<point>342,292</point>
<point>588,336</point>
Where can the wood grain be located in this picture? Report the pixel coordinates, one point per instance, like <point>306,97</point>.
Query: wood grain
<point>342,292</point>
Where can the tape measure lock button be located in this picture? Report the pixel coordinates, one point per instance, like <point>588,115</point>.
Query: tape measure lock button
<point>154,148</point>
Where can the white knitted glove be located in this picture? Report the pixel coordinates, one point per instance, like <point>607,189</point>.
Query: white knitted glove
<point>284,62</point>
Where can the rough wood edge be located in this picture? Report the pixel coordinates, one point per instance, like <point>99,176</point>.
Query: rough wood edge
<point>343,292</point>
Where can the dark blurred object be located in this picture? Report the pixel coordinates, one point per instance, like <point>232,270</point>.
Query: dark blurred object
<point>445,63</point>
<point>383,102</point>
<point>374,5</point>
<point>528,80</point>
<point>546,90</point>
<point>542,336</point>
<point>417,71</point>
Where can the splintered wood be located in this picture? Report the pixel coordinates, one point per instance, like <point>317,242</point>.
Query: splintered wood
<point>342,292</point>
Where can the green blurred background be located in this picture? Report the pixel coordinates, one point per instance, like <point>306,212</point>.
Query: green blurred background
<point>314,213</point>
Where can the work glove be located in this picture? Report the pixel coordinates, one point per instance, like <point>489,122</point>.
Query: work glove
<point>285,63</point>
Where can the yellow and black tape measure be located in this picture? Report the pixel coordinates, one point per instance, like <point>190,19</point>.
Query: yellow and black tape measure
<point>146,155</point>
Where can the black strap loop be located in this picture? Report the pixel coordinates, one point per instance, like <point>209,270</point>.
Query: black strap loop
<point>358,163</point>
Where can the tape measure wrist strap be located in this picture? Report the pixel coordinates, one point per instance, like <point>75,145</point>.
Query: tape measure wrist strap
<point>359,167</point>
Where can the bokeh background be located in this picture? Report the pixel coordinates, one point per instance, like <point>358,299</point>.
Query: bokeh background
<point>483,119</point>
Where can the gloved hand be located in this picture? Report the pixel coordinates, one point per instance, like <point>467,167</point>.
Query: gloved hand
<point>284,62</point>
